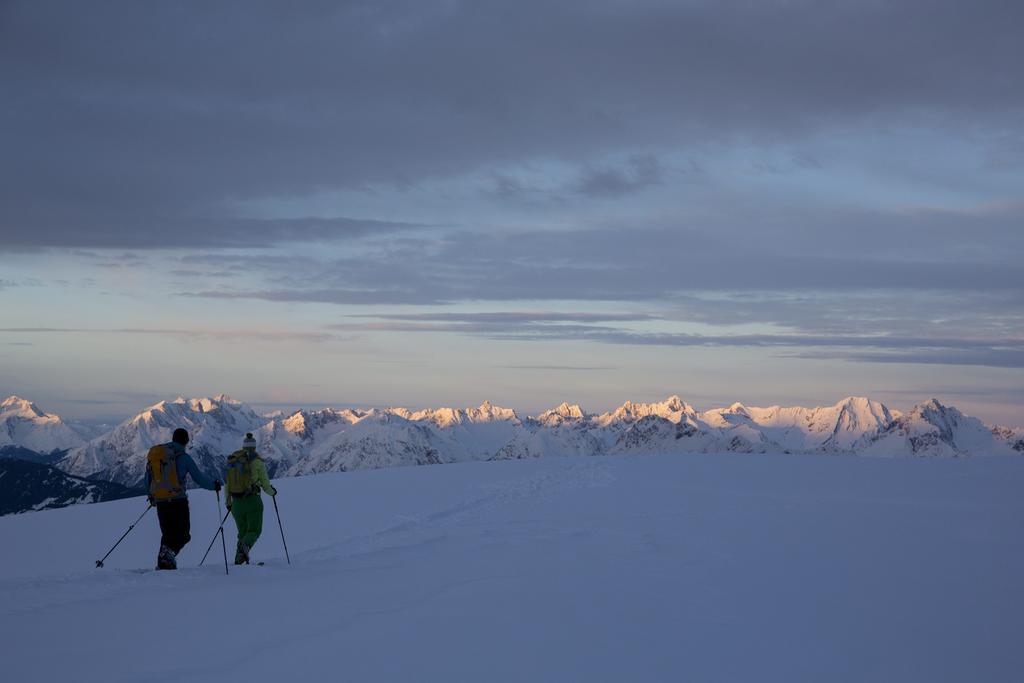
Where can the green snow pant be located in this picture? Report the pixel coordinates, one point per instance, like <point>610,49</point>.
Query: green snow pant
<point>248,514</point>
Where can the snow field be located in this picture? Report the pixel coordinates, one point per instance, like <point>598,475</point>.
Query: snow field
<point>657,568</point>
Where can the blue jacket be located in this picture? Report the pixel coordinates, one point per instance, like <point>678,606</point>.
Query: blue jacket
<point>185,465</point>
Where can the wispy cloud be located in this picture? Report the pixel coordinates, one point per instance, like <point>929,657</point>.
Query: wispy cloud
<point>561,368</point>
<point>187,334</point>
<point>798,251</point>
<point>640,172</point>
<point>513,317</point>
<point>325,296</point>
<point>167,230</point>
<point>880,348</point>
<point>597,180</point>
<point>986,357</point>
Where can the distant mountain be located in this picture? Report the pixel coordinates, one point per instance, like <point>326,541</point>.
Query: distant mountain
<point>216,426</point>
<point>1013,437</point>
<point>937,430</point>
<point>25,427</point>
<point>26,486</point>
<point>312,441</point>
<point>846,426</point>
<point>22,453</point>
<point>378,439</point>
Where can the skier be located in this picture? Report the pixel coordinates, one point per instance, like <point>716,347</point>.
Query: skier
<point>168,464</point>
<point>246,476</point>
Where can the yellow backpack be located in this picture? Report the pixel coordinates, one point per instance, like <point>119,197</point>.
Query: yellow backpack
<point>163,474</point>
<point>240,481</point>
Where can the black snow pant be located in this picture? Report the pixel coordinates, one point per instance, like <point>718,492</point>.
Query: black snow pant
<point>174,524</point>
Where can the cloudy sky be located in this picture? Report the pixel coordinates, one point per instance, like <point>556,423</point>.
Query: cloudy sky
<point>439,202</point>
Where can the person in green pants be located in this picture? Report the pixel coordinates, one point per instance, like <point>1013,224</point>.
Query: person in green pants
<point>247,475</point>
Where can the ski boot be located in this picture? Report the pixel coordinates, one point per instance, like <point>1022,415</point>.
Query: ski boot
<point>242,553</point>
<point>166,559</point>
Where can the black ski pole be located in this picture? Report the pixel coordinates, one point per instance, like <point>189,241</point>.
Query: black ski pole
<point>214,539</point>
<point>223,543</point>
<point>99,563</point>
<point>274,497</point>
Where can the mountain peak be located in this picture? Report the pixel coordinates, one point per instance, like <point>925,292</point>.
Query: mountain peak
<point>862,405</point>
<point>566,410</point>
<point>934,409</point>
<point>672,409</point>
<point>23,424</point>
<point>563,412</point>
<point>489,411</point>
<point>932,403</point>
<point>21,406</point>
<point>737,408</point>
<point>856,401</point>
<point>674,403</point>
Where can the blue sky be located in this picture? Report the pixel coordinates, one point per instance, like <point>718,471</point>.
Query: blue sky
<point>426,203</point>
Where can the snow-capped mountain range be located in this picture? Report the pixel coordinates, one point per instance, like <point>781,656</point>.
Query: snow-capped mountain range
<point>24,425</point>
<point>216,426</point>
<point>311,441</point>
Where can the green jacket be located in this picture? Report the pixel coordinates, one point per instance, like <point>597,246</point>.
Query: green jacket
<point>259,476</point>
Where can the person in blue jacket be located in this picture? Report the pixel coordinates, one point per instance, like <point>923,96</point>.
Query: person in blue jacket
<point>168,465</point>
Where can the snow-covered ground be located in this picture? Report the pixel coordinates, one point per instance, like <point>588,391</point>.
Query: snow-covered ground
<point>656,568</point>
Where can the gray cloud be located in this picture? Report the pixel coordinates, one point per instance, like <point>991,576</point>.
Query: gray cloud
<point>560,368</point>
<point>125,259</point>
<point>49,227</point>
<point>800,250</point>
<point>511,317</point>
<point>167,132</point>
<point>642,171</point>
<point>596,181</point>
<point>193,273</point>
<point>1007,352</point>
<point>146,137</point>
<point>23,282</point>
<point>869,312</point>
<point>495,330</point>
<point>760,340</point>
<point>993,358</point>
<point>185,334</point>
<point>357,297</point>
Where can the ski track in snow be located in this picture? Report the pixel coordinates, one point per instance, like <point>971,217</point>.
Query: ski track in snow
<point>709,568</point>
<point>576,476</point>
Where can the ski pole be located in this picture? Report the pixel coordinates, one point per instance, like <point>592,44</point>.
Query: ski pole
<point>274,497</point>
<point>99,563</point>
<point>214,539</point>
<point>223,544</point>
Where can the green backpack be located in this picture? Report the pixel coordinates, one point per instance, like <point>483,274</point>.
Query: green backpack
<point>240,481</point>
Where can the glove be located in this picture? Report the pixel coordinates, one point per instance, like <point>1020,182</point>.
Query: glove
<point>216,485</point>
<point>150,499</point>
<point>273,491</point>
<point>229,507</point>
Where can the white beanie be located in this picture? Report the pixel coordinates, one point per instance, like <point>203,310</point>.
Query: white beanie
<point>249,442</point>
